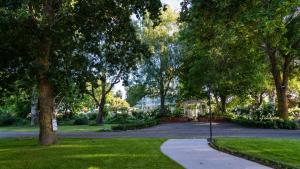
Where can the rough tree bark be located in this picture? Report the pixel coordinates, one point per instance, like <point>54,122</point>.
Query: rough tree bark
<point>281,81</point>
<point>46,99</point>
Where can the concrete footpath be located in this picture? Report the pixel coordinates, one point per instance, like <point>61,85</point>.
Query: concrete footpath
<point>197,154</point>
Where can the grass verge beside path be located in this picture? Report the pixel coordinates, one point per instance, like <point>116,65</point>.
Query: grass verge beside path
<point>63,128</point>
<point>279,153</point>
<point>85,154</point>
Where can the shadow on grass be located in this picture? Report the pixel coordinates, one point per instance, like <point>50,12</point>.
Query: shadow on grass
<point>84,154</point>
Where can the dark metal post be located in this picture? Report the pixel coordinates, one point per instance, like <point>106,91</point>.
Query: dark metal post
<point>210,114</point>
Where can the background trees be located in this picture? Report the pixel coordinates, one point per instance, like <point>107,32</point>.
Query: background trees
<point>237,40</point>
<point>161,67</point>
<point>218,58</point>
<point>111,55</point>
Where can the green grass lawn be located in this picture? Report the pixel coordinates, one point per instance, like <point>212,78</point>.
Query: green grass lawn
<point>84,154</point>
<point>284,151</point>
<point>63,128</point>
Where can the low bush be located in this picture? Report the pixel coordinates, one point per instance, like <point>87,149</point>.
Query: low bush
<point>272,124</point>
<point>137,125</point>
<point>81,119</point>
<point>177,113</point>
<point>7,119</point>
<point>117,118</point>
<point>22,122</point>
<point>92,116</point>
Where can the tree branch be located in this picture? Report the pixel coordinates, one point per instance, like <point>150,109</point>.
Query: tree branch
<point>114,82</point>
<point>92,94</point>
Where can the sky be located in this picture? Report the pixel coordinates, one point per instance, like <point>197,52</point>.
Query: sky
<point>175,4</point>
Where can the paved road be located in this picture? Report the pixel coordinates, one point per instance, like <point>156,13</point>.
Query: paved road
<point>196,154</point>
<point>176,131</point>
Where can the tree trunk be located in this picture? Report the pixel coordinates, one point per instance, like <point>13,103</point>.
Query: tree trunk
<point>258,100</point>
<point>101,112</point>
<point>46,99</point>
<point>162,110</point>
<point>282,105</point>
<point>281,83</point>
<point>34,106</point>
<point>46,104</point>
<point>101,105</point>
<point>223,103</point>
<point>217,102</point>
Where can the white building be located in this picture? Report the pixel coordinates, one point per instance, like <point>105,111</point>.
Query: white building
<point>150,103</point>
<point>194,108</point>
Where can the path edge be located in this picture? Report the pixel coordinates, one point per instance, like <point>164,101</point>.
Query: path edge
<point>167,155</point>
<point>266,162</point>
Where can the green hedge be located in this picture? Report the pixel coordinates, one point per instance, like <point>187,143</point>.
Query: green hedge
<point>271,124</point>
<point>7,119</point>
<point>133,126</point>
<point>81,121</point>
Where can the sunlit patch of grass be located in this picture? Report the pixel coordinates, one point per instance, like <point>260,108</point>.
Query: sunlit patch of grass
<point>84,154</point>
<point>284,151</point>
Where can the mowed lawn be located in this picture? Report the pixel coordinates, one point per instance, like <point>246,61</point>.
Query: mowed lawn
<point>284,151</point>
<point>84,154</point>
<point>63,128</point>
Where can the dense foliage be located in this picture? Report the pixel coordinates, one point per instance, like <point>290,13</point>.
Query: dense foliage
<point>241,49</point>
<point>50,43</point>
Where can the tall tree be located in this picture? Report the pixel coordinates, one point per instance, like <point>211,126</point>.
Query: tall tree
<point>214,56</point>
<point>112,56</point>
<point>262,26</point>
<point>161,67</point>
<point>44,36</point>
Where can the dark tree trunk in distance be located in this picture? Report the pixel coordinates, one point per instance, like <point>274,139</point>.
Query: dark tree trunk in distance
<point>223,103</point>
<point>101,105</point>
<point>162,109</point>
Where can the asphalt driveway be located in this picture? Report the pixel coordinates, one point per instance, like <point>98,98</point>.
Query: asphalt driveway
<point>176,131</point>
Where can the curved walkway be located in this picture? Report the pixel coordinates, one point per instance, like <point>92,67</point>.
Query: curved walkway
<point>196,154</point>
<point>175,131</point>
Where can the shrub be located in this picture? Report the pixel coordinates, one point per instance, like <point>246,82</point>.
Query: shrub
<point>22,122</point>
<point>273,124</point>
<point>117,118</point>
<point>81,119</point>
<point>92,116</point>
<point>285,124</point>
<point>266,112</point>
<point>241,111</point>
<point>7,119</point>
<point>177,113</point>
<point>137,125</point>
